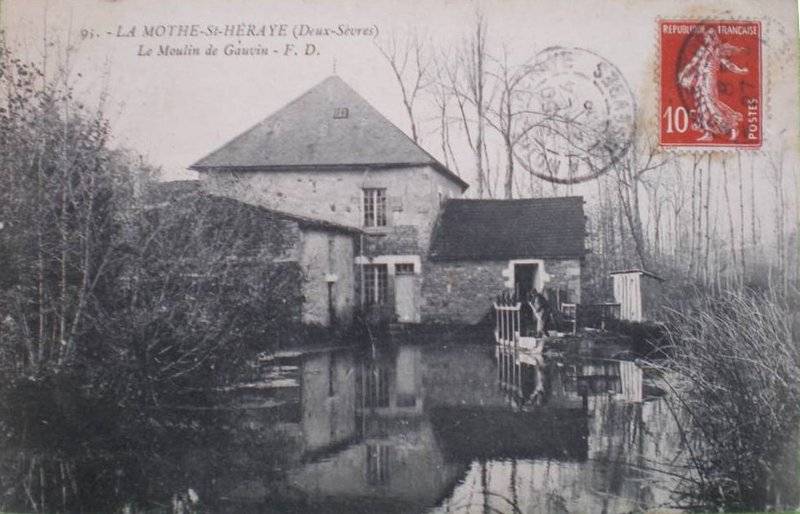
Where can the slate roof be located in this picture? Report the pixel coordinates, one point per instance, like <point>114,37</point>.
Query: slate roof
<point>510,229</point>
<point>158,192</point>
<point>304,134</point>
<point>161,194</point>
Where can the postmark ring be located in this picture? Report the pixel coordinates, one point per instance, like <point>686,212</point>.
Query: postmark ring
<point>577,116</point>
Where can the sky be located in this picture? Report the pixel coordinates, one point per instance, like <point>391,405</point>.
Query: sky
<point>176,109</point>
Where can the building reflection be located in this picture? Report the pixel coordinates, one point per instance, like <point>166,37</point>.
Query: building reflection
<point>414,428</point>
<point>626,436</point>
<point>327,400</point>
<point>394,461</point>
<point>530,380</point>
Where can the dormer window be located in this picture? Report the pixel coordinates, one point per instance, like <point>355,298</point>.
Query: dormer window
<point>341,113</point>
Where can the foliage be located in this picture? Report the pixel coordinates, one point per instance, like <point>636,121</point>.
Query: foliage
<point>138,294</point>
<point>734,374</point>
<point>647,338</point>
<point>64,453</point>
<point>195,289</point>
<point>59,191</point>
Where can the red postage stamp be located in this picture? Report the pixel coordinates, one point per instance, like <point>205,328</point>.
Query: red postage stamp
<point>710,88</point>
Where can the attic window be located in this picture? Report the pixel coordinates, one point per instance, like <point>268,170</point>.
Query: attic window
<point>341,113</point>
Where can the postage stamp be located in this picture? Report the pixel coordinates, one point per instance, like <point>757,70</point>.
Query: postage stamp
<point>710,86</point>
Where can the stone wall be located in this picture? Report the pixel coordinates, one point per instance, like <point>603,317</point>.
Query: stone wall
<point>327,257</point>
<point>462,291</point>
<point>413,197</point>
<point>398,240</point>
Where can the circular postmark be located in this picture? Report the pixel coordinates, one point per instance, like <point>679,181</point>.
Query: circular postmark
<point>576,116</point>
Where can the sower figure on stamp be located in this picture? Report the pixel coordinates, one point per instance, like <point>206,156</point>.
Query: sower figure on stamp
<point>700,77</point>
<point>541,311</point>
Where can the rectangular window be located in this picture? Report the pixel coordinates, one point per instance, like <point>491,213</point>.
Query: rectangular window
<point>341,113</point>
<point>374,207</point>
<point>404,268</point>
<point>375,387</point>
<point>375,284</point>
<point>378,464</point>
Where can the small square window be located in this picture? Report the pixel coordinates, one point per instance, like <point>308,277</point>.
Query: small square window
<point>340,113</point>
<point>405,268</point>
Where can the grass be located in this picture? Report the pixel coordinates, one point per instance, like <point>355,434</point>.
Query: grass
<point>734,375</point>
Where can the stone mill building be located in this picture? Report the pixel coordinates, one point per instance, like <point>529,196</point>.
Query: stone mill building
<point>399,242</point>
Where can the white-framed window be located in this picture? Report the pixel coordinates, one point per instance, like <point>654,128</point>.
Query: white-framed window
<point>375,207</point>
<point>376,281</point>
<point>404,268</point>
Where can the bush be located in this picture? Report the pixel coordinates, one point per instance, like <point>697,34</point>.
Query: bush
<point>648,339</point>
<point>734,374</point>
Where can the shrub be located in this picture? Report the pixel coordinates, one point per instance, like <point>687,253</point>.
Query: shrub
<point>734,374</point>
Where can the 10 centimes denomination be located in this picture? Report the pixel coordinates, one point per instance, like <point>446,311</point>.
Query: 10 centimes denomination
<point>710,84</point>
<point>577,116</point>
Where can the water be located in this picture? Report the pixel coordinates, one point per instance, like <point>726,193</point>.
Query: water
<point>410,428</point>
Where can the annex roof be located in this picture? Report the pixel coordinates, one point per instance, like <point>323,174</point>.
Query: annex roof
<point>327,128</point>
<point>510,229</point>
<point>164,194</point>
<point>636,271</point>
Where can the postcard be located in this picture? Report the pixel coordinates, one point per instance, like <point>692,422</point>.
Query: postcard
<point>425,257</point>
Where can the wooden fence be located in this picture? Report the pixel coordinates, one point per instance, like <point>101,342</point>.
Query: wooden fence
<point>507,323</point>
<point>594,315</point>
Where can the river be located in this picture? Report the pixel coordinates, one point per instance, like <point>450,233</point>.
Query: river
<point>396,428</point>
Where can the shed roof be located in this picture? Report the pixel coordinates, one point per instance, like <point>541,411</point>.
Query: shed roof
<point>170,193</point>
<point>327,128</point>
<point>510,229</point>
<point>636,271</point>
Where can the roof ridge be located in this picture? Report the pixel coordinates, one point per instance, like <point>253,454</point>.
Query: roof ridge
<point>499,200</point>
<point>286,138</point>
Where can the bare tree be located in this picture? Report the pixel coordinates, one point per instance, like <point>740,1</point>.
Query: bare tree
<point>741,220</point>
<point>410,63</point>
<point>61,192</point>
<point>629,172</point>
<point>731,227</point>
<point>502,114</point>
<point>465,77</point>
<point>776,179</point>
<point>706,205</point>
<point>441,99</point>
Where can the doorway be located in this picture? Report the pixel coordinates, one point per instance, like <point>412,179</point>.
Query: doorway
<point>524,279</point>
<point>406,304</point>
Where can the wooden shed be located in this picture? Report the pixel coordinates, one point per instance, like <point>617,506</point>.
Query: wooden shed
<point>639,294</point>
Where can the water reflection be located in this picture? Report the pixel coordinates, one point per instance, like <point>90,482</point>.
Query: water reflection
<point>440,429</point>
<point>626,440</point>
<point>412,429</point>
